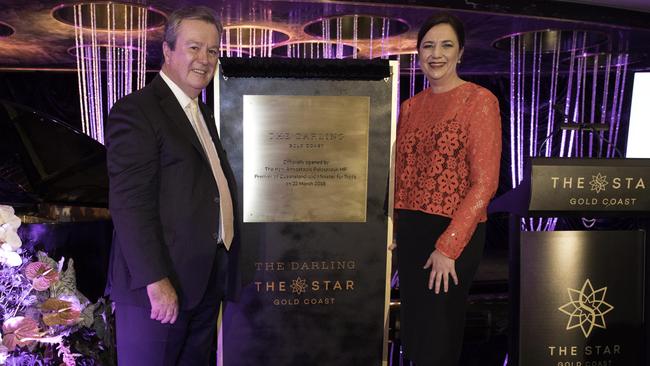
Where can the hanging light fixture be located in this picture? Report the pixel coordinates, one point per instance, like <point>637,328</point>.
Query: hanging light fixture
<point>314,49</point>
<point>250,41</point>
<point>352,29</point>
<point>556,78</point>
<point>110,50</point>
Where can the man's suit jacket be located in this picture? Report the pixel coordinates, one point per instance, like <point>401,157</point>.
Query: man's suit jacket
<point>163,199</point>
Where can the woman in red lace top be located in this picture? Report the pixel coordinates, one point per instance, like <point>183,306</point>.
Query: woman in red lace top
<point>447,170</point>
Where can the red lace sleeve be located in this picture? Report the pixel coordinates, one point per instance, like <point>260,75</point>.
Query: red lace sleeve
<point>484,155</point>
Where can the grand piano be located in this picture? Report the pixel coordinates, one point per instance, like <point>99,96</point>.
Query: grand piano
<point>55,178</point>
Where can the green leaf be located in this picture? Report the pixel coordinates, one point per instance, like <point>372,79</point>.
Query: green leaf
<point>43,257</point>
<point>88,315</point>
<point>67,283</point>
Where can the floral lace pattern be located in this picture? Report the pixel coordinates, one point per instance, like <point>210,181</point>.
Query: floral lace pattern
<point>447,163</point>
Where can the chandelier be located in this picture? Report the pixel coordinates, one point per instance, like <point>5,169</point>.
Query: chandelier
<point>110,50</point>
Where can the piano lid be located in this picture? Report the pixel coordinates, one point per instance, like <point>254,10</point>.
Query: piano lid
<point>46,162</point>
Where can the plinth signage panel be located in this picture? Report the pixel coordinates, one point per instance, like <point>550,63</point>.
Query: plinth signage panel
<point>312,158</point>
<point>305,158</point>
<point>581,299</point>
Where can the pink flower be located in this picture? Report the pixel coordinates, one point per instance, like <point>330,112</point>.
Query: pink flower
<point>422,198</point>
<point>429,184</point>
<point>462,137</point>
<point>448,143</point>
<point>463,187</point>
<point>60,312</point>
<point>423,160</point>
<point>463,169</point>
<point>436,166</point>
<point>437,198</point>
<point>422,149</point>
<point>409,176</point>
<point>41,275</point>
<point>451,164</point>
<point>438,128</point>
<point>410,159</point>
<point>451,203</point>
<point>408,142</point>
<point>19,331</point>
<point>453,126</point>
<point>448,181</point>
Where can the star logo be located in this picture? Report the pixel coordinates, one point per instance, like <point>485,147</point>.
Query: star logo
<point>598,182</point>
<point>298,286</point>
<point>587,308</point>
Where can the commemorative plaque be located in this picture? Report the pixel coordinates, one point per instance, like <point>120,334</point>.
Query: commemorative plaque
<point>305,158</point>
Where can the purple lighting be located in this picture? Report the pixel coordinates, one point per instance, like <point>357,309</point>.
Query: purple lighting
<point>533,61</point>
<point>110,40</point>
<point>622,59</point>
<point>567,101</point>
<point>513,175</point>
<point>251,41</point>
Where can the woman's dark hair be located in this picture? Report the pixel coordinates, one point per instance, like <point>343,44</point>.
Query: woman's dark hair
<point>443,18</point>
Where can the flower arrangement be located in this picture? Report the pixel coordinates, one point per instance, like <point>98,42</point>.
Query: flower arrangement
<point>45,319</point>
<point>9,240</point>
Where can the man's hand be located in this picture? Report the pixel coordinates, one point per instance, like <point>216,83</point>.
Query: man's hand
<point>442,267</point>
<point>164,302</point>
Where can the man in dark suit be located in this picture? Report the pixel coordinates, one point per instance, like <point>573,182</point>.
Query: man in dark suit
<point>174,255</point>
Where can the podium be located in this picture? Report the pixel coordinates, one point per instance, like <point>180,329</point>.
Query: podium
<point>577,298</point>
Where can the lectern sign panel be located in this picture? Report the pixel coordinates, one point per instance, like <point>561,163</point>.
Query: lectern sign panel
<point>596,185</point>
<point>305,158</point>
<point>578,307</point>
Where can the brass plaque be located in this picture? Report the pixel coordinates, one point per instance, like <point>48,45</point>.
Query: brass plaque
<point>305,158</point>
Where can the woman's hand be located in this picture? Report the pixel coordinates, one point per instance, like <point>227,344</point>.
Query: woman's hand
<point>393,245</point>
<point>441,268</point>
